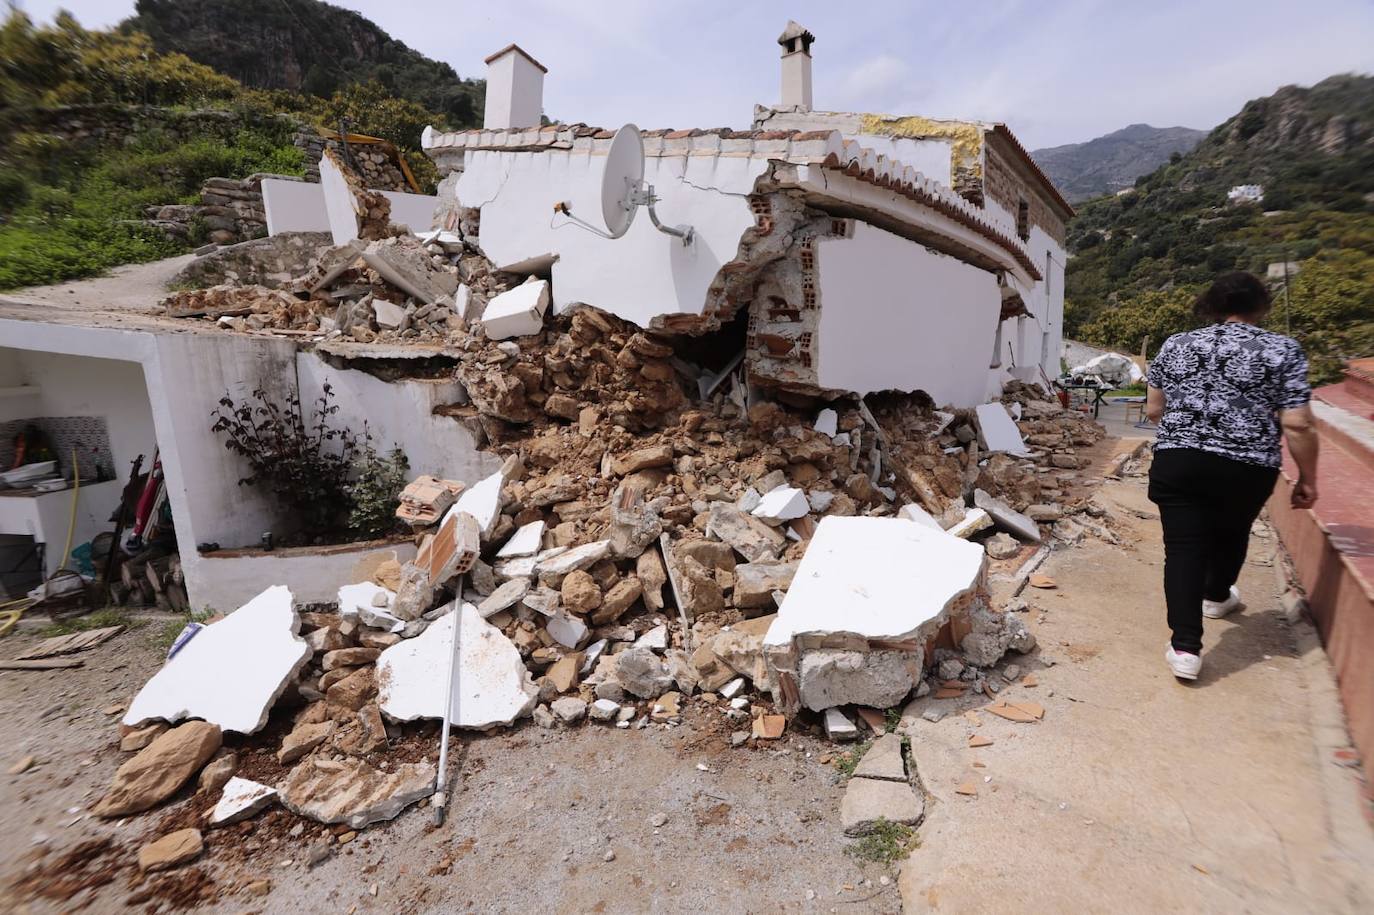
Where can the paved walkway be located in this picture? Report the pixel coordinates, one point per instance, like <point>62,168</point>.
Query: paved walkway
<point>1137,793</point>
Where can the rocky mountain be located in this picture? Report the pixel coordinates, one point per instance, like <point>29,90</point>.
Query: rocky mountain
<point>1113,162</point>
<point>304,46</point>
<point>1139,258</point>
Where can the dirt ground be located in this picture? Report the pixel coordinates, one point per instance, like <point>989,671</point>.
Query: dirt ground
<point>1135,793</point>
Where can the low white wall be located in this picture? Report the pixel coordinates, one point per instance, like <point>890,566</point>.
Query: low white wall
<point>897,316</point>
<point>225,582</point>
<point>637,277</point>
<point>297,206</point>
<point>47,517</point>
<point>401,413</point>
<point>293,206</point>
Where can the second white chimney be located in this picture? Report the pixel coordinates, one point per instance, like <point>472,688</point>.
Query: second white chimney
<point>796,66</point>
<point>515,89</point>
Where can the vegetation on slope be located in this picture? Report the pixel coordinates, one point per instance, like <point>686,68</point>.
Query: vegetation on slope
<point>306,46</point>
<point>69,206</point>
<point>1139,259</point>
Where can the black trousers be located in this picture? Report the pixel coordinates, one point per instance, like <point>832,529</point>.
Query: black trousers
<point>1207,504</point>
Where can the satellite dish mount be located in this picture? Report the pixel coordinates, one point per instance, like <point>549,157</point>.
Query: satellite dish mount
<point>624,191</point>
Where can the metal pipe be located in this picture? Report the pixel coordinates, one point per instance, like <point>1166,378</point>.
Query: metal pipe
<point>454,668</point>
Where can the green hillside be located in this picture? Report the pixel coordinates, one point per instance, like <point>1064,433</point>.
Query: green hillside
<point>97,125</point>
<point>1139,258</point>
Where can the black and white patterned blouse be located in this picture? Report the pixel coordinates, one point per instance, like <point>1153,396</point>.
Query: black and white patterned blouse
<point>1223,387</point>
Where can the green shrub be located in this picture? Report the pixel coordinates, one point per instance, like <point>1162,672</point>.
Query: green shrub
<point>376,491</point>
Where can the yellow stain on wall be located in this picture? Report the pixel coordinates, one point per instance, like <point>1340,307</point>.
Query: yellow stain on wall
<point>966,140</point>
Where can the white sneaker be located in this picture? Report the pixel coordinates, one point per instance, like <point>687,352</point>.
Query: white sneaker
<point>1216,609</point>
<point>1184,665</point>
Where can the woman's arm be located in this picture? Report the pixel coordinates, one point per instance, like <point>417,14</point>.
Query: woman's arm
<point>1300,429</point>
<point>1154,404</point>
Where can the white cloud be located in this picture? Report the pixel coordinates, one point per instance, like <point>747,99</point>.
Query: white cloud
<point>1057,72</point>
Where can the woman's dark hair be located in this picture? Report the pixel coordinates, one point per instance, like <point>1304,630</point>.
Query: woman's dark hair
<point>1237,293</point>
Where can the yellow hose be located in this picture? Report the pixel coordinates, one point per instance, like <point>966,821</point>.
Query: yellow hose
<point>71,522</point>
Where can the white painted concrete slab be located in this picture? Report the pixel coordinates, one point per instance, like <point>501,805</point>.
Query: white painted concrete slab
<point>338,203</point>
<point>482,501</point>
<point>490,687</point>
<point>913,512</point>
<point>517,312</point>
<point>879,578</point>
<point>413,211</point>
<point>358,602</point>
<point>786,503</point>
<point>524,542</point>
<point>997,431</point>
<point>232,672</point>
<point>827,422</point>
<point>294,206</point>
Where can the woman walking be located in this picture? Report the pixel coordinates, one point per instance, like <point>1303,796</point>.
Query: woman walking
<point>1221,394</point>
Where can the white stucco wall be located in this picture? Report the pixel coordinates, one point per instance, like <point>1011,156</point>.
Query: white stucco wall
<point>1038,344</point>
<point>401,413</point>
<point>224,582</point>
<point>639,276</point>
<point>296,206</point>
<point>897,316</point>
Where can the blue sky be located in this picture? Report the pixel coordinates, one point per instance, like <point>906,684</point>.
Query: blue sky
<point>1058,71</point>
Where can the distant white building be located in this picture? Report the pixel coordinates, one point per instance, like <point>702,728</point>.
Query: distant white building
<point>1245,193</point>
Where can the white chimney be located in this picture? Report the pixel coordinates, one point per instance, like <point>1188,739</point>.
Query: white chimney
<point>796,66</point>
<point>515,89</point>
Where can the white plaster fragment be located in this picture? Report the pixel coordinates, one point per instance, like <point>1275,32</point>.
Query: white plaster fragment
<point>731,689</point>
<point>241,799</point>
<point>388,314</point>
<point>828,422</point>
<point>525,566</point>
<point>838,726</point>
<point>878,578</point>
<point>786,503</point>
<point>232,672</point>
<point>566,629</point>
<point>975,520</point>
<point>517,312</point>
<point>482,501</point>
<point>656,639</point>
<point>490,683</point>
<point>913,512</point>
<point>579,557</point>
<point>359,602</point>
<point>997,431</point>
<point>524,542</point>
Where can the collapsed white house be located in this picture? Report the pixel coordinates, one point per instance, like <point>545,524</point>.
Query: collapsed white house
<point>861,252</point>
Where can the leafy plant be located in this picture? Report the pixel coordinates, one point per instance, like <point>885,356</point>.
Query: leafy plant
<point>848,761</point>
<point>333,481</point>
<point>305,464</point>
<point>888,843</point>
<point>376,491</point>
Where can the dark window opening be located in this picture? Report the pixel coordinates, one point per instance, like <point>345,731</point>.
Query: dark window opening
<point>1023,220</point>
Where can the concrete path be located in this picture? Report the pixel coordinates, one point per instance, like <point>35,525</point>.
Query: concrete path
<point>1137,793</point>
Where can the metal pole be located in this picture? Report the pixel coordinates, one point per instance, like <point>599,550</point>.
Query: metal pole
<point>454,667</point>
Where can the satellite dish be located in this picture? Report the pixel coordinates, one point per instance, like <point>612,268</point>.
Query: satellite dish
<point>621,180</point>
<point>623,191</point>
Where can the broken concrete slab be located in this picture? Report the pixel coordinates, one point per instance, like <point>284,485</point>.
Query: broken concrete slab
<point>883,760</point>
<point>974,520</point>
<point>517,312</point>
<point>491,685</point>
<point>351,790</point>
<point>877,578</point>
<point>359,602</point>
<point>1006,517</point>
<point>913,512</point>
<point>827,422</point>
<point>997,431</point>
<point>642,673</point>
<point>482,501</point>
<point>553,570</point>
<point>750,537</point>
<point>878,679</point>
<point>785,503</point>
<point>256,649</point>
<point>867,801</point>
<point>507,595</point>
<point>160,769</point>
<point>404,264</point>
<point>567,630</point>
<point>388,315</point>
<point>838,726</point>
<point>526,541</point>
<point>242,798</point>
